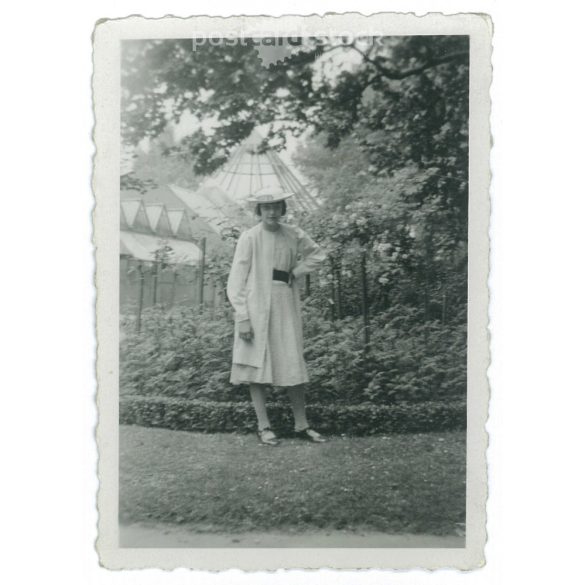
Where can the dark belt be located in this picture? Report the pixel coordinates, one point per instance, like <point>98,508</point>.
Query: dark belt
<point>280,275</point>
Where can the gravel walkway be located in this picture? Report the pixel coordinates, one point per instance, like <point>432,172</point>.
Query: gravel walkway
<point>171,536</point>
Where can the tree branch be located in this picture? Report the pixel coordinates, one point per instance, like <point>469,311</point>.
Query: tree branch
<point>395,75</point>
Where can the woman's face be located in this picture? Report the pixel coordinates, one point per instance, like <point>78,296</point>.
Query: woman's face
<point>271,214</point>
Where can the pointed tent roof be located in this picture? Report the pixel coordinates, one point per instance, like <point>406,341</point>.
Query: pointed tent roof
<point>249,169</point>
<point>220,200</point>
<point>130,210</point>
<point>159,219</point>
<point>180,223</point>
<point>134,214</point>
<point>123,221</point>
<point>203,205</point>
<point>164,194</point>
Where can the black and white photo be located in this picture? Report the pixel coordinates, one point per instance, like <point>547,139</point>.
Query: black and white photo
<point>291,231</point>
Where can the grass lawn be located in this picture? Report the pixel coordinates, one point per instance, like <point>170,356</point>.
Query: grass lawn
<point>411,483</point>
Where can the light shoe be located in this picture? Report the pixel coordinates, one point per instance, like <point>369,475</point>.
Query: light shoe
<point>310,435</point>
<point>267,437</point>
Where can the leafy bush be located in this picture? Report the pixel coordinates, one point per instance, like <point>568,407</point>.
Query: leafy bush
<point>187,354</point>
<point>183,353</point>
<point>408,361</point>
<point>362,419</point>
<point>335,359</point>
<point>415,361</point>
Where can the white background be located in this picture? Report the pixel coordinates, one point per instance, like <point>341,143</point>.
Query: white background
<point>48,462</point>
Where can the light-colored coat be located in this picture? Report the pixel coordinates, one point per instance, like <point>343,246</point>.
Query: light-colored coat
<point>250,284</point>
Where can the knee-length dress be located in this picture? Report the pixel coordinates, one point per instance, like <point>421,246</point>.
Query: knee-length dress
<point>279,337</point>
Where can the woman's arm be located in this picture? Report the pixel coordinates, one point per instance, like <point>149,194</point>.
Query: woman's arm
<point>236,286</point>
<point>312,255</point>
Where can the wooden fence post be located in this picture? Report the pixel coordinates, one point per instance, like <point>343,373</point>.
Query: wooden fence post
<point>155,269</point>
<point>333,292</point>
<point>173,287</point>
<point>202,271</point>
<point>196,270</point>
<point>140,297</point>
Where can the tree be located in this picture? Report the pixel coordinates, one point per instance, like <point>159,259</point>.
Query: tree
<point>154,164</point>
<point>413,86</point>
<point>162,166</point>
<point>389,156</point>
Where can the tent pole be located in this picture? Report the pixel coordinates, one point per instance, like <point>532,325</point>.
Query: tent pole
<point>155,282</point>
<point>140,297</point>
<point>202,271</point>
<point>174,287</point>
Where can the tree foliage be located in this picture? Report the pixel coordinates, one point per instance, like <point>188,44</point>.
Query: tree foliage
<point>416,252</point>
<point>386,148</point>
<point>160,164</point>
<point>412,88</point>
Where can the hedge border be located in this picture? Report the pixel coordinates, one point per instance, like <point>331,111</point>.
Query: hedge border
<point>223,417</point>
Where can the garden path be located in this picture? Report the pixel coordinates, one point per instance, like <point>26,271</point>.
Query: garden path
<point>172,536</point>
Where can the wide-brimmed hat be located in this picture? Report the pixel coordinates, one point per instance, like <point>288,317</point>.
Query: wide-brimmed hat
<point>269,195</point>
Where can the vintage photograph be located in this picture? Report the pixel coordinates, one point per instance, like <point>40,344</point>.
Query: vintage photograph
<point>294,279</point>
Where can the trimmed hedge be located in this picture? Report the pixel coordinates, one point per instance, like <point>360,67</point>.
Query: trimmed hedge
<point>221,417</point>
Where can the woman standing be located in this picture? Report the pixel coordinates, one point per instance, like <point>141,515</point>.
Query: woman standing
<point>263,288</point>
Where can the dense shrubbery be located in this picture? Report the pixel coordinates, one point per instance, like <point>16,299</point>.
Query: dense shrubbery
<point>186,354</point>
<point>361,419</point>
<point>388,156</point>
<point>181,353</point>
<point>408,361</point>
